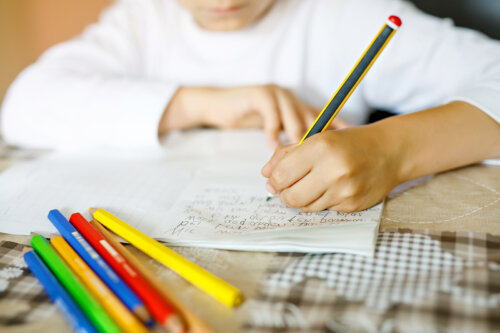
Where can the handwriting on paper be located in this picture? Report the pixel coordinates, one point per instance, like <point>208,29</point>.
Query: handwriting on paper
<point>229,209</point>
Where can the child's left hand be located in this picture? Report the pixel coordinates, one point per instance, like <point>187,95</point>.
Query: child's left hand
<point>347,170</point>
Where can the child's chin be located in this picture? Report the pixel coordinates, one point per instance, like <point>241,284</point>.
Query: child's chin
<point>226,24</point>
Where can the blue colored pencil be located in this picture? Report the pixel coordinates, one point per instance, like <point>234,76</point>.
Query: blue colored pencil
<point>59,296</point>
<point>99,266</point>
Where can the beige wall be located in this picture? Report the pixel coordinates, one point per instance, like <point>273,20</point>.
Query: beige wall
<point>29,27</point>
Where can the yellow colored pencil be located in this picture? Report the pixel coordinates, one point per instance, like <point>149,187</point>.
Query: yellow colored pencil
<point>196,325</point>
<point>116,310</point>
<point>206,281</point>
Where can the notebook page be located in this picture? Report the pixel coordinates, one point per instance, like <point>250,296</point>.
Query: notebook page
<point>232,206</point>
<point>138,185</point>
<point>225,206</point>
<point>134,186</point>
<point>211,198</point>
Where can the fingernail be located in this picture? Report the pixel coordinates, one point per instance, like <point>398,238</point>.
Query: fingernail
<point>270,189</point>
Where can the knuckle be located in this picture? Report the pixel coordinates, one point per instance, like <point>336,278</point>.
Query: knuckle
<point>279,176</point>
<point>351,190</point>
<point>321,145</point>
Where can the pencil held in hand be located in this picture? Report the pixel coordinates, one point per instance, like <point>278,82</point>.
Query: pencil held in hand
<point>352,80</point>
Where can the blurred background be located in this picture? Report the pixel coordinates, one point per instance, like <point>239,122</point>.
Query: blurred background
<point>29,27</point>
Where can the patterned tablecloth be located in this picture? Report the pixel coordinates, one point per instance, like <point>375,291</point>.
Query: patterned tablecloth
<point>436,268</point>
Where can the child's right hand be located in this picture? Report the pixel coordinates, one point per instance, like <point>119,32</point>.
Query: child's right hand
<point>269,106</point>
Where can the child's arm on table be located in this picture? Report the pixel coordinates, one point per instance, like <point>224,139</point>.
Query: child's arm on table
<point>268,106</point>
<point>353,169</point>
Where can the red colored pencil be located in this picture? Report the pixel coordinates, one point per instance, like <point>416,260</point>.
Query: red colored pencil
<point>162,312</point>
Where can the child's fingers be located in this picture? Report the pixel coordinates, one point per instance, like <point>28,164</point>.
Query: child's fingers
<point>325,201</point>
<point>269,110</point>
<point>292,167</point>
<point>339,123</point>
<point>277,156</point>
<point>303,192</point>
<point>290,114</point>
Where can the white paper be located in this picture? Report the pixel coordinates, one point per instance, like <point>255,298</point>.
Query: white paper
<point>232,211</point>
<point>196,191</point>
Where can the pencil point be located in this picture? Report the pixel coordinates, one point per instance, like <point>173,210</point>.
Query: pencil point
<point>175,325</point>
<point>269,197</point>
<point>142,313</point>
<point>238,300</point>
<point>92,210</point>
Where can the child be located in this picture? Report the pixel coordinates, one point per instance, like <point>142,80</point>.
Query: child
<point>152,66</point>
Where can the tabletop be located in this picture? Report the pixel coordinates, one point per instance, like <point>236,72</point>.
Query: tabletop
<point>437,267</point>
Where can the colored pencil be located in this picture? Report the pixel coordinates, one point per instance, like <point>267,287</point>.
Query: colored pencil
<point>116,310</point>
<point>353,79</point>
<point>99,266</point>
<point>195,324</point>
<point>75,288</point>
<point>59,296</point>
<point>206,281</point>
<point>160,309</point>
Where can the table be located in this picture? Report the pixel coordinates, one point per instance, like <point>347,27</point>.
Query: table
<point>465,199</point>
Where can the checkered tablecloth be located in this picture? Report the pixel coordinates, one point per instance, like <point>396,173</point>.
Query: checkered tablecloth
<point>419,281</point>
<point>20,291</point>
<point>416,282</point>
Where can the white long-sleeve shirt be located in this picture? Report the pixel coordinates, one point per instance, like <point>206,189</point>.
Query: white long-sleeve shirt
<point>111,85</point>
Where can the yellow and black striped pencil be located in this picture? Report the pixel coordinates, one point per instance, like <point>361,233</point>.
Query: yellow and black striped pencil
<point>353,79</point>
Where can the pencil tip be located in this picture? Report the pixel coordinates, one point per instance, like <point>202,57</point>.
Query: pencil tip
<point>92,210</point>
<point>143,314</point>
<point>175,325</point>
<point>269,197</point>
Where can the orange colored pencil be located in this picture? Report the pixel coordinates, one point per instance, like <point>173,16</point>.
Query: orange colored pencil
<point>113,306</point>
<point>161,310</point>
<point>196,325</point>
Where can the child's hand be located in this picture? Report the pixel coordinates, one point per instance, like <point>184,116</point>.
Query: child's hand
<point>347,170</point>
<point>269,107</point>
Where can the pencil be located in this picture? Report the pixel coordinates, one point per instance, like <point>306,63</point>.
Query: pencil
<point>59,296</point>
<point>75,288</point>
<point>161,311</point>
<point>99,266</point>
<point>195,324</point>
<point>117,311</point>
<point>353,79</point>
<point>206,281</point>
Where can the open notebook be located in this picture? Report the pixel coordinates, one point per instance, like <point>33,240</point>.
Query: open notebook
<point>203,188</point>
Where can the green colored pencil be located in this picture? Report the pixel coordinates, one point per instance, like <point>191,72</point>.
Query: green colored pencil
<point>75,288</point>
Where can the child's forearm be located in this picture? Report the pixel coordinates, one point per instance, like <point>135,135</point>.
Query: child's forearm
<point>180,113</point>
<point>440,139</point>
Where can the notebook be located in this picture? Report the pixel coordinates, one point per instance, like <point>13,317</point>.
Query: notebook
<point>202,188</point>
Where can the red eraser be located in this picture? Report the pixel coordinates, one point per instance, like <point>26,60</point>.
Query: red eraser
<point>396,20</point>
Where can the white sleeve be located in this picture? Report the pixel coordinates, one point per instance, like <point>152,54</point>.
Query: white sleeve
<point>430,62</point>
<point>90,90</point>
